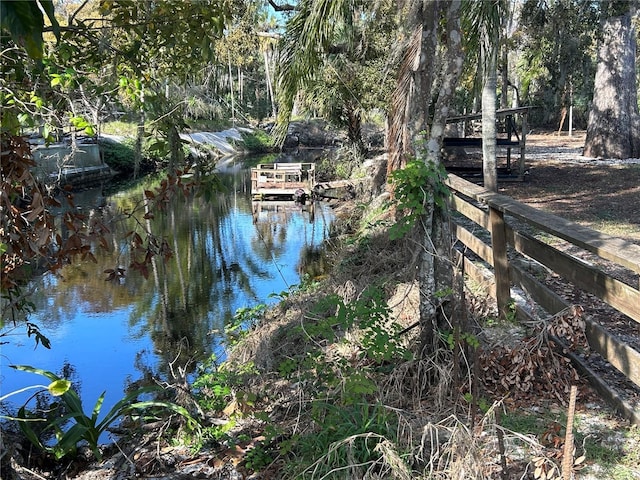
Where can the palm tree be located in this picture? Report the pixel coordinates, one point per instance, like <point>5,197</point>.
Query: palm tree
<point>431,59</point>
<point>421,104</point>
<point>484,24</point>
<point>329,61</point>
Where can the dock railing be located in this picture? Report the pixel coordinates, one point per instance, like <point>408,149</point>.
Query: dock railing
<point>512,136</point>
<point>497,235</point>
<point>276,180</point>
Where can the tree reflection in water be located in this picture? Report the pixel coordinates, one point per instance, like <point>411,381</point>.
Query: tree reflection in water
<point>223,258</point>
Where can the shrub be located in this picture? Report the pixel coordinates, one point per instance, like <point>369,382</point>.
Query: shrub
<point>258,141</point>
<point>118,155</point>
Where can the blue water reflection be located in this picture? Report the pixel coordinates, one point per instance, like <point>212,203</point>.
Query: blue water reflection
<point>228,252</point>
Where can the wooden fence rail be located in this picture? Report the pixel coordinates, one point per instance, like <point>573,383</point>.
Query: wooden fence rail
<point>498,229</point>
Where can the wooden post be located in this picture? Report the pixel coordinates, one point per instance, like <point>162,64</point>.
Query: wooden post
<point>500,261</point>
<point>523,143</point>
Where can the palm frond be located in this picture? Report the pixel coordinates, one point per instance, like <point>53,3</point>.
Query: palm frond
<point>483,20</point>
<point>308,35</point>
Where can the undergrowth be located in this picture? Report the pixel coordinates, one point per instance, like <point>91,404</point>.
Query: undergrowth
<point>331,383</point>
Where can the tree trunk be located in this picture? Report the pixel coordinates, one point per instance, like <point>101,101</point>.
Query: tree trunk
<point>613,129</point>
<point>176,155</point>
<point>504,98</point>
<point>137,155</point>
<point>436,272</point>
<point>265,53</point>
<point>489,162</point>
<point>233,105</point>
<point>409,114</point>
<point>354,128</point>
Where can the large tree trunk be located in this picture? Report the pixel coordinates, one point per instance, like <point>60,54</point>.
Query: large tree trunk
<point>613,129</point>
<point>267,73</point>
<point>437,263</point>
<point>409,115</point>
<point>430,22</point>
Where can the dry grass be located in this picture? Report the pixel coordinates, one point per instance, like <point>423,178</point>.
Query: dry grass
<point>434,428</point>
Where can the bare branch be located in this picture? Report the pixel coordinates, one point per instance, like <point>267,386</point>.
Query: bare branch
<point>287,7</point>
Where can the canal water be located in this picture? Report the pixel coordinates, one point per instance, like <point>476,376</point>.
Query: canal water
<point>227,253</point>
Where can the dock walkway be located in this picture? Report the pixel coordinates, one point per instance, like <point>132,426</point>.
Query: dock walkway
<point>274,181</point>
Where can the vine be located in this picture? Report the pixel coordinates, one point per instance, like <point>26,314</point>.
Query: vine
<point>416,186</point>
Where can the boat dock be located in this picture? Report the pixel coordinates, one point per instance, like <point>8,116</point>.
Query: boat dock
<point>277,181</point>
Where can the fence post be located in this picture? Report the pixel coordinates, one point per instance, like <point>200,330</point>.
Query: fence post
<point>500,261</point>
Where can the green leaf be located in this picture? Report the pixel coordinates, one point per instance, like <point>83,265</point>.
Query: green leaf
<point>98,407</point>
<point>120,407</point>
<point>26,368</point>
<point>67,444</point>
<point>59,387</point>
<point>47,7</point>
<point>25,22</point>
<point>27,431</point>
<point>78,122</point>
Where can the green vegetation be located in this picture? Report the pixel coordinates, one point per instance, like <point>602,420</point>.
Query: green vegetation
<point>119,155</point>
<point>341,392</point>
<point>257,141</point>
<point>415,186</point>
<point>56,416</point>
<point>360,377</point>
<point>245,319</point>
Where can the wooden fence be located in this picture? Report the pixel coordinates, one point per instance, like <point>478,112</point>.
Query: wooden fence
<point>498,230</point>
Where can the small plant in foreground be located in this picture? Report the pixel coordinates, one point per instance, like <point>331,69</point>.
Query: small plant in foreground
<point>370,314</point>
<point>258,458</point>
<point>84,428</point>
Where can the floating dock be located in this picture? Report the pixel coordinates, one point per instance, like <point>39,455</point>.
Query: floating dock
<point>277,181</point>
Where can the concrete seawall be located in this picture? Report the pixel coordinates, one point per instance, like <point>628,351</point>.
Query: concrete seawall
<point>80,167</point>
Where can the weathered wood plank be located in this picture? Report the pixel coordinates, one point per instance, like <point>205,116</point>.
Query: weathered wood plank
<point>611,248</point>
<point>470,211</point>
<point>481,276</point>
<point>617,294</point>
<point>473,243</point>
<point>618,353</point>
<point>542,295</point>
<point>623,407</point>
<point>615,351</point>
<point>476,142</point>
<point>500,261</point>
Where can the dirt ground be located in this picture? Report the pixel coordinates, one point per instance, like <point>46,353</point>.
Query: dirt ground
<point>602,194</point>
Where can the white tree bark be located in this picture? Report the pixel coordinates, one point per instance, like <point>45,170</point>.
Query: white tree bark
<point>489,162</point>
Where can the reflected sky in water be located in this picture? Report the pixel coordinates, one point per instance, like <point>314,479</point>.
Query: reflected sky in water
<point>228,252</point>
